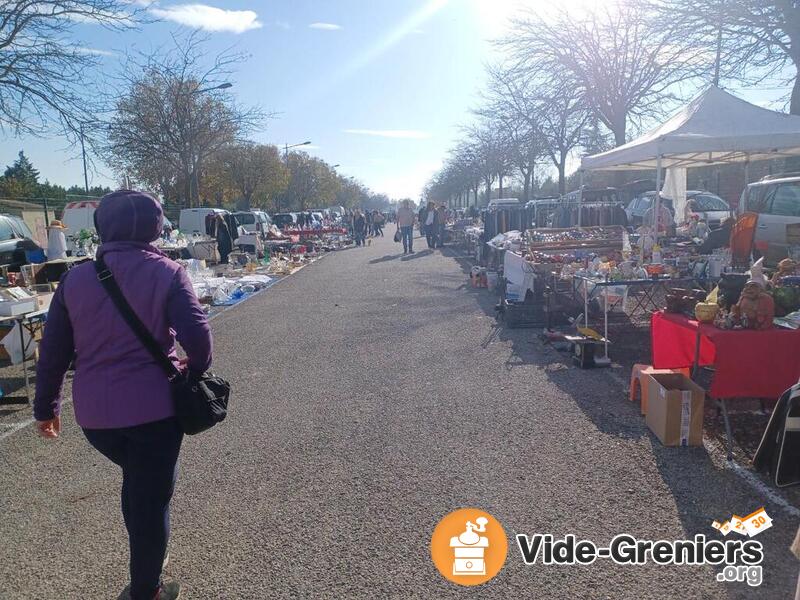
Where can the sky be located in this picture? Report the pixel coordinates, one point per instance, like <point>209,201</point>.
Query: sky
<point>380,87</point>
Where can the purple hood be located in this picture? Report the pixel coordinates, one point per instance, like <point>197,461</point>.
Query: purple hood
<point>128,216</point>
<point>117,382</point>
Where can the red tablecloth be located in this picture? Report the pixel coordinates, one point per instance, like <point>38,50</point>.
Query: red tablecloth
<point>748,364</point>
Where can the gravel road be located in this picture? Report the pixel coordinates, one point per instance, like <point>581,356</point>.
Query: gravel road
<point>373,394</point>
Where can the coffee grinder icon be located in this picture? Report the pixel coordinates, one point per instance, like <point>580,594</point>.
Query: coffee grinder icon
<point>469,549</point>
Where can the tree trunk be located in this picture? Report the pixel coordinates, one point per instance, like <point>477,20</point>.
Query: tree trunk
<point>500,177</point>
<point>526,185</point>
<point>794,106</point>
<point>562,179</point>
<point>488,190</point>
<point>187,189</point>
<point>619,132</point>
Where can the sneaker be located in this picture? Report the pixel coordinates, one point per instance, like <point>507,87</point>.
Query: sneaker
<point>170,590</point>
<point>126,593</point>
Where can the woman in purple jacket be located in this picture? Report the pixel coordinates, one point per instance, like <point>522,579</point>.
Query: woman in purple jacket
<point>121,396</point>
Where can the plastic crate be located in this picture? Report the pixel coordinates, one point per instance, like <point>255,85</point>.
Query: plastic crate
<point>518,315</point>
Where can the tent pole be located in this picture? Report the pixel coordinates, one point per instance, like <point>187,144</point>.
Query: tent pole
<point>657,203</point>
<point>746,169</point>
<point>580,197</point>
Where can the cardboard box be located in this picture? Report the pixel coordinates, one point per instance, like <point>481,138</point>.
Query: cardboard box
<point>675,409</point>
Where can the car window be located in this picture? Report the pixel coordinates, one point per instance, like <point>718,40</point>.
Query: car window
<point>707,202</point>
<point>786,200</point>
<point>21,228</point>
<point>754,197</point>
<point>6,230</point>
<point>246,218</point>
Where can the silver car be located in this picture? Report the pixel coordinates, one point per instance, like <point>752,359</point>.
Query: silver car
<point>776,199</point>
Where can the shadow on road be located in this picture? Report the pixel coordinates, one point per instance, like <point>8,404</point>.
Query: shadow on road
<point>420,254</point>
<point>386,258</point>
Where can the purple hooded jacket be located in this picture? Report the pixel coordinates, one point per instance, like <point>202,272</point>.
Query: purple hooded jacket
<point>117,383</point>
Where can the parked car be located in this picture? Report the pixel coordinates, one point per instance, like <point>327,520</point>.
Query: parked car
<point>16,241</point>
<point>776,199</point>
<point>504,203</point>
<point>193,220</point>
<point>253,221</point>
<point>283,220</point>
<point>641,204</point>
<point>708,207</point>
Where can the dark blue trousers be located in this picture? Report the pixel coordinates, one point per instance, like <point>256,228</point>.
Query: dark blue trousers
<point>148,456</point>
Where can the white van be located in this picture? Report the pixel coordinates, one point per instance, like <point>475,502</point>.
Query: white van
<point>193,220</point>
<point>253,221</point>
<point>77,216</point>
<point>80,215</point>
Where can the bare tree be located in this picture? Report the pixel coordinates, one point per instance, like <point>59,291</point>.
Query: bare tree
<point>614,60</point>
<point>557,118</point>
<point>522,128</point>
<point>173,114</point>
<point>746,41</point>
<point>45,75</point>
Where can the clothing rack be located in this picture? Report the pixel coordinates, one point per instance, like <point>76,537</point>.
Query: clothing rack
<point>588,214</point>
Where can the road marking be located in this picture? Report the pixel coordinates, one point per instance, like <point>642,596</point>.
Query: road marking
<point>15,428</point>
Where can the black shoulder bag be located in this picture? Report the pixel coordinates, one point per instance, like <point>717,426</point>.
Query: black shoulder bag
<point>200,402</point>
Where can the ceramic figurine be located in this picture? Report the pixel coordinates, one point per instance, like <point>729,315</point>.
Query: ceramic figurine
<point>756,308</point>
<point>786,268</point>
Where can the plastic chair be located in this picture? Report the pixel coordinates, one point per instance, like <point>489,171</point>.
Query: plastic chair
<point>636,381</point>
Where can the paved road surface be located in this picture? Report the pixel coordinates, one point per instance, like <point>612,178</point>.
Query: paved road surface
<point>373,395</point>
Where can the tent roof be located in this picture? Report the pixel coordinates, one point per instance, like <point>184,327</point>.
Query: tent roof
<point>715,128</point>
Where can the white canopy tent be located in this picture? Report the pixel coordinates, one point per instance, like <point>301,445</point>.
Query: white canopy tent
<point>716,128</point>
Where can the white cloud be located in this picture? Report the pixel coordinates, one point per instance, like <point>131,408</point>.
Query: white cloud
<point>209,18</point>
<point>325,26</point>
<point>408,134</point>
<point>94,51</point>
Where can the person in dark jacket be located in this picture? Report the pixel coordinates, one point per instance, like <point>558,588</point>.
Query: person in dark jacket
<point>421,217</point>
<point>431,225</point>
<point>359,227</point>
<point>224,239</point>
<point>122,398</point>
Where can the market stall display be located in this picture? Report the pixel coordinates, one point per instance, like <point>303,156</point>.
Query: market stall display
<point>746,363</point>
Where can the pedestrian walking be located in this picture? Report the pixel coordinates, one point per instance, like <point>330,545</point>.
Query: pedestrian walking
<point>405,224</point>
<point>423,215</point>
<point>368,218</point>
<point>377,223</point>
<point>441,220</point>
<point>359,227</point>
<point>431,225</point>
<point>122,398</point>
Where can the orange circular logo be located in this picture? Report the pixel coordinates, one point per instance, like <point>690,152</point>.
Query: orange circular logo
<point>469,546</point>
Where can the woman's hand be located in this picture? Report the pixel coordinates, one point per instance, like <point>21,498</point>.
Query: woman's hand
<point>49,429</point>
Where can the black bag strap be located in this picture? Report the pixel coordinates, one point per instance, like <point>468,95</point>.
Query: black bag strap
<point>106,278</point>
